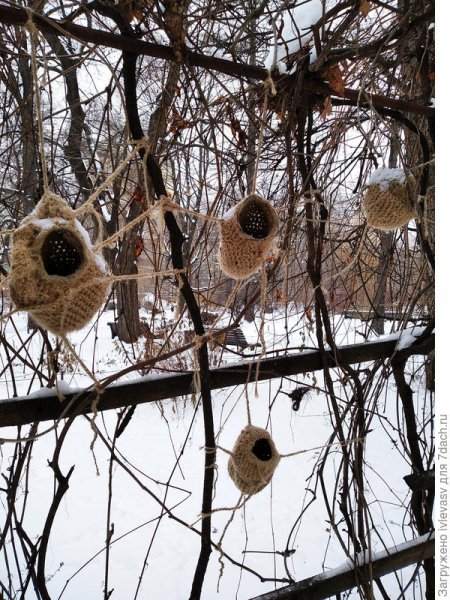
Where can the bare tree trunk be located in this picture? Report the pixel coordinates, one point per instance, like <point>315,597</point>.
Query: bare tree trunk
<point>72,148</point>
<point>382,272</point>
<point>30,180</point>
<point>252,128</point>
<point>382,276</point>
<point>128,323</point>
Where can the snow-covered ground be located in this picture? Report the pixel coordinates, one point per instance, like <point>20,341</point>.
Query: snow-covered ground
<point>161,458</point>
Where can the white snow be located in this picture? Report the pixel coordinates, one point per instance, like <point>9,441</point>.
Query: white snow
<point>408,337</point>
<point>229,214</point>
<point>99,261</point>
<point>366,557</point>
<point>296,33</point>
<point>63,388</point>
<point>215,51</point>
<point>162,447</point>
<point>45,224</point>
<point>84,234</point>
<point>383,177</point>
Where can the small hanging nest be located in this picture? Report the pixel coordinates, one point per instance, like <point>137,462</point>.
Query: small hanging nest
<point>387,202</point>
<point>253,460</point>
<point>55,275</point>
<point>247,233</point>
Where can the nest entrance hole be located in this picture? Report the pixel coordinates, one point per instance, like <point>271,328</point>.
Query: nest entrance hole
<point>62,253</point>
<point>255,221</point>
<point>262,449</point>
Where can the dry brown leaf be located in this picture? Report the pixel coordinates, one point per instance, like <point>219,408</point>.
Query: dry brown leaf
<point>131,9</point>
<point>280,296</point>
<point>236,129</point>
<point>334,76</point>
<point>364,7</point>
<point>137,196</point>
<point>138,247</point>
<point>178,122</point>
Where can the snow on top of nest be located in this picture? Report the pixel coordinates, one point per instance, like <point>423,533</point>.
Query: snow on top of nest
<point>384,177</point>
<point>229,214</point>
<point>46,223</point>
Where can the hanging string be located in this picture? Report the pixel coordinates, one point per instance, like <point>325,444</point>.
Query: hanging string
<point>162,205</point>
<point>138,276</point>
<point>9,314</point>
<point>34,34</point>
<point>341,444</point>
<point>168,204</point>
<point>247,399</point>
<point>298,452</point>
<point>75,355</point>
<point>110,179</point>
<point>88,209</point>
<point>111,239</point>
<point>262,308</point>
<point>196,377</point>
<point>227,304</point>
<point>356,255</point>
<point>147,151</point>
<point>269,87</point>
<point>220,542</point>
<point>242,501</point>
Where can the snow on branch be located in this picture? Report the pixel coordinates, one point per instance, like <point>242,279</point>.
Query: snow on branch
<point>352,573</point>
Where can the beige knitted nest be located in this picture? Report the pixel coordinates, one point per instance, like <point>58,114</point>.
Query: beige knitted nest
<point>253,460</point>
<point>387,201</point>
<point>247,234</point>
<point>55,275</point>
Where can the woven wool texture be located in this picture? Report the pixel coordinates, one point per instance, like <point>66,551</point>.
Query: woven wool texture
<point>247,235</point>
<point>51,240</point>
<point>388,209</point>
<point>250,473</point>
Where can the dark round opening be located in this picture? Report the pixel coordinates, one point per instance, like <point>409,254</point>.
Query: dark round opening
<point>262,449</point>
<point>254,221</point>
<point>62,253</point>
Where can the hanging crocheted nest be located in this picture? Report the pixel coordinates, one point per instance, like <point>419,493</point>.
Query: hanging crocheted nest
<point>253,460</point>
<point>387,201</point>
<point>55,275</point>
<point>247,233</point>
